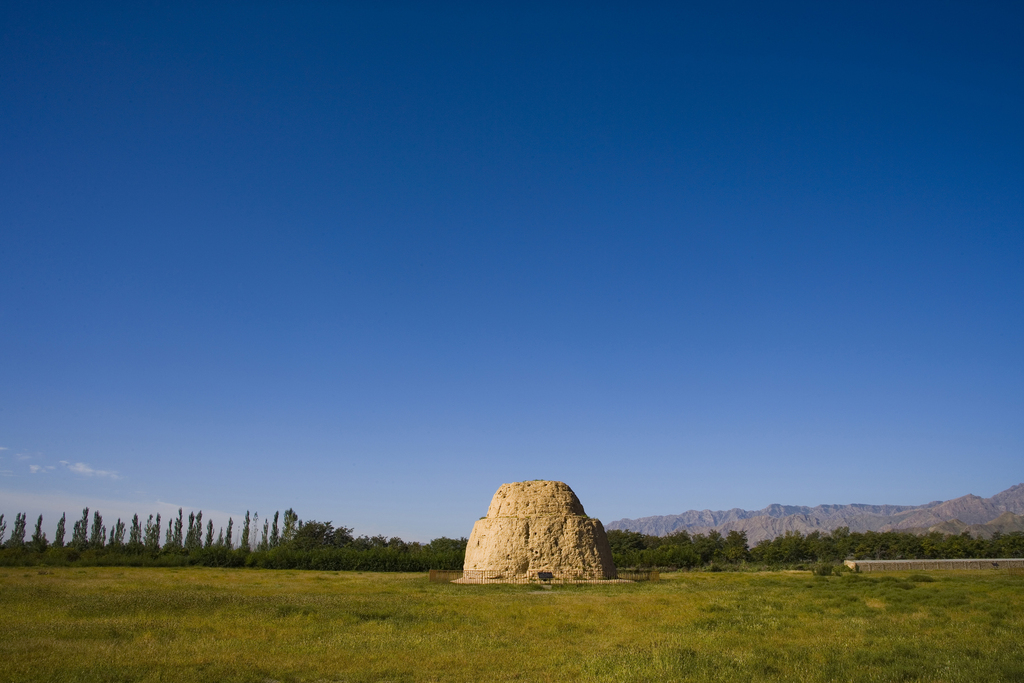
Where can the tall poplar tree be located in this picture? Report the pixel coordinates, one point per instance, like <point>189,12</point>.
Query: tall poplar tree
<point>227,536</point>
<point>80,532</point>
<point>38,537</point>
<point>152,537</point>
<point>244,543</point>
<point>3,529</point>
<point>18,532</point>
<point>291,525</point>
<point>117,534</point>
<point>58,538</point>
<point>135,534</point>
<point>194,536</point>
<point>209,533</point>
<point>265,543</point>
<point>178,539</point>
<point>275,535</point>
<point>99,532</point>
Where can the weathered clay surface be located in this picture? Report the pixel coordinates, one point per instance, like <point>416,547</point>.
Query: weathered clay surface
<point>538,526</point>
<point>532,498</point>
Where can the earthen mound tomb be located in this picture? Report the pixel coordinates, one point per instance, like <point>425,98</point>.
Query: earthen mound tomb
<point>533,527</point>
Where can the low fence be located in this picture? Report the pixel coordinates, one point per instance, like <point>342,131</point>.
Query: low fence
<point>639,575</point>
<point>480,576</point>
<point>927,565</point>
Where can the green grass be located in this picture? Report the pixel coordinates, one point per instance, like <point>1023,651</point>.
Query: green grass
<point>193,624</point>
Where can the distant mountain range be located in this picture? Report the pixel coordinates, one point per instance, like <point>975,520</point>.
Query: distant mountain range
<point>979,516</point>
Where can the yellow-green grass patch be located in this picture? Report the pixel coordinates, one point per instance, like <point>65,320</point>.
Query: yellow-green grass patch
<point>198,624</point>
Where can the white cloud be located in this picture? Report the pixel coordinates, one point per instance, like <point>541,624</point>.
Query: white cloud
<point>82,468</point>
<point>35,469</point>
<point>22,456</point>
<point>4,448</point>
<point>6,473</point>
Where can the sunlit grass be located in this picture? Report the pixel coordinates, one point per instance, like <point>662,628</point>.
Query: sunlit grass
<point>192,624</point>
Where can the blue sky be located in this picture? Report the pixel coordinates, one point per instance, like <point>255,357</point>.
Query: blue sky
<point>373,261</point>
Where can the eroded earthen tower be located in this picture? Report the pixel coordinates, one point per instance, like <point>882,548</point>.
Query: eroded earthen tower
<point>538,526</point>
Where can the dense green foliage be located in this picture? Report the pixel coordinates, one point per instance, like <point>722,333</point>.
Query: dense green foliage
<point>886,545</point>
<point>296,545</point>
<point>684,550</point>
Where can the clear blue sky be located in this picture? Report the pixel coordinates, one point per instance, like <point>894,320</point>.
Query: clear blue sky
<point>371,261</point>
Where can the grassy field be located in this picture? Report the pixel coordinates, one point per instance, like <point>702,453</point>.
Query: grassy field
<point>192,624</point>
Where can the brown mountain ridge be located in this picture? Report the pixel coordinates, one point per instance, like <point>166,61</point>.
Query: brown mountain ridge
<point>974,514</point>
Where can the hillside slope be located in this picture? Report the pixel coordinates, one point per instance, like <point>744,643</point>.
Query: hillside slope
<point>973,513</point>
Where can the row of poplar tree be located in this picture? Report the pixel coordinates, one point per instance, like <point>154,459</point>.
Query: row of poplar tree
<point>180,535</point>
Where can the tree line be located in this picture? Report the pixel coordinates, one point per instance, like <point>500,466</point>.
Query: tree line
<point>685,550</point>
<point>287,542</point>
